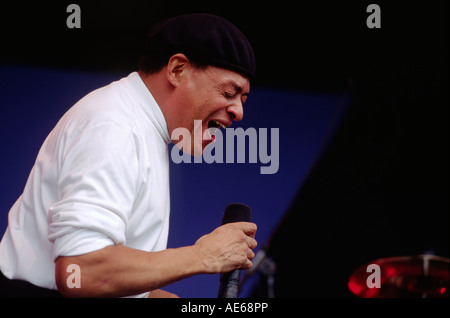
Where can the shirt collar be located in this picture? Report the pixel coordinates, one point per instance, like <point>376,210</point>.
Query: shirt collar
<point>148,104</point>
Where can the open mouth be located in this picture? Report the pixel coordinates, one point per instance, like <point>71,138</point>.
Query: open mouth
<point>213,125</point>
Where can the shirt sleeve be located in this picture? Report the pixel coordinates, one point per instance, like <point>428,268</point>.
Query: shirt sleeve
<point>97,182</point>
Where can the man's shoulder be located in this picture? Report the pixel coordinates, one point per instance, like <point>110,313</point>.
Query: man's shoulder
<point>105,104</point>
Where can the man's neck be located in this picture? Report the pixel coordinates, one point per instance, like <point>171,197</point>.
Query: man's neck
<point>160,89</point>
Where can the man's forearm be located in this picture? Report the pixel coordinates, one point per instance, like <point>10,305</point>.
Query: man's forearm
<point>117,271</point>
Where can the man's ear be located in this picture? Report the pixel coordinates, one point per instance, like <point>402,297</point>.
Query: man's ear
<point>176,68</point>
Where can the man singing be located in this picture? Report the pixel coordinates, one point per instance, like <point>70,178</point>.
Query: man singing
<point>98,193</point>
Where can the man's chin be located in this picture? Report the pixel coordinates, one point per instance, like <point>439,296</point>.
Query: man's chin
<point>197,150</point>
<point>195,144</point>
<point>194,151</point>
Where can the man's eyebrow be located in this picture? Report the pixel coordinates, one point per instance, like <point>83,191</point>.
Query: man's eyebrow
<point>239,89</point>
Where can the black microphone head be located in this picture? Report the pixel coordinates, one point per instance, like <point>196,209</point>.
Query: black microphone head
<point>237,212</point>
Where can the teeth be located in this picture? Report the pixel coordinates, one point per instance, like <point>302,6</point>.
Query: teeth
<point>213,130</point>
<point>220,124</point>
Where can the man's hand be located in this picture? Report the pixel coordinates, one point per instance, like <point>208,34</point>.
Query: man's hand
<point>228,247</point>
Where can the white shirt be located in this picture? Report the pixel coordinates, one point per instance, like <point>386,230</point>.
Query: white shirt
<point>101,178</point>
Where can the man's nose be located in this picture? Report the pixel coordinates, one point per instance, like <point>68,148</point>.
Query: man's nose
<point>236,112</point>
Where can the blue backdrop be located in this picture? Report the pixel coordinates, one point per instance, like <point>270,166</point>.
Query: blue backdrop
<point>33,99</point>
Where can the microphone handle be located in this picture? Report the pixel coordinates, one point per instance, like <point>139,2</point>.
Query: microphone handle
<point>229,284</point>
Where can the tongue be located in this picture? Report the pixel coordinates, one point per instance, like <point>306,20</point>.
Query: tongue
<point>210,133</point>
<point>207,135</point>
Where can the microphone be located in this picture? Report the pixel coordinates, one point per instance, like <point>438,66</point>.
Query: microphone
<point>229,282</point>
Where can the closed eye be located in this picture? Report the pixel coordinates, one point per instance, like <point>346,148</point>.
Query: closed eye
<point>229,95</point>
<point>231,90</point>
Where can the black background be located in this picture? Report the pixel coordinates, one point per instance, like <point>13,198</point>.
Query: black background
<point>381,187</point>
